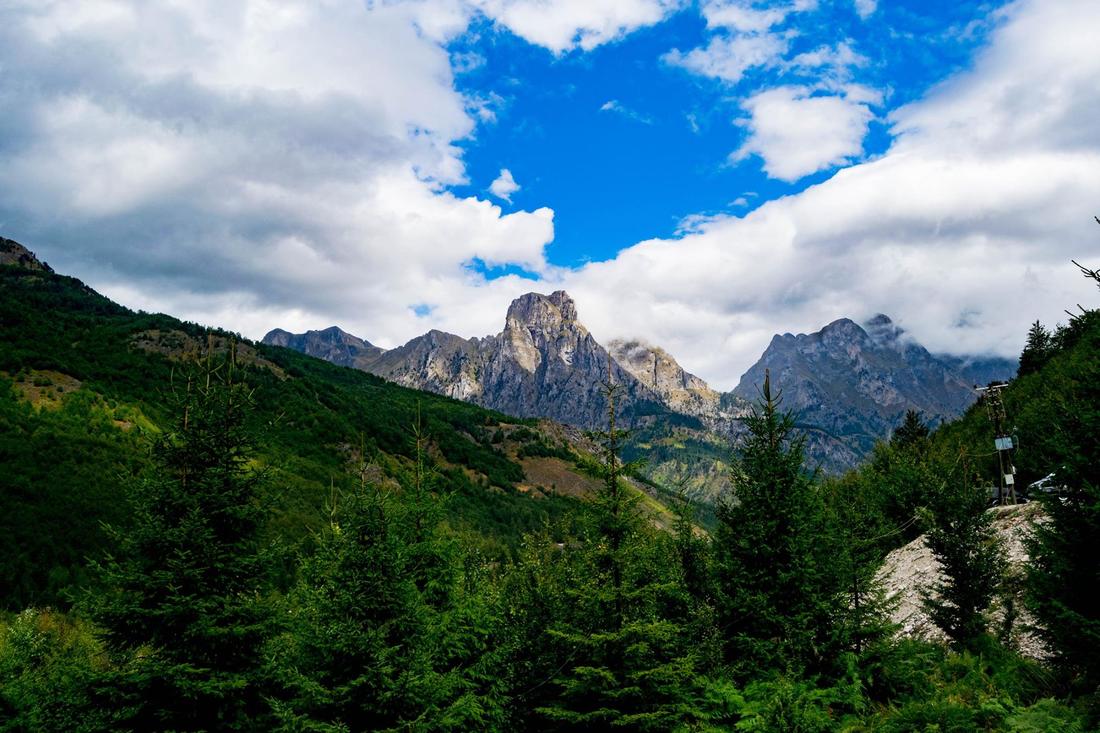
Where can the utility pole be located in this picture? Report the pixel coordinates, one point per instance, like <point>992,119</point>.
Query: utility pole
<point>1004,443</point>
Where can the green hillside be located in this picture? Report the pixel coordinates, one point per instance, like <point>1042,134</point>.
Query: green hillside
<point>85,384</point>
<point>199,533</point>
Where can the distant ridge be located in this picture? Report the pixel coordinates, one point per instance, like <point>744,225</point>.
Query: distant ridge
<point>849,384</point>
<point>544,363</point>
<point>330,344</point>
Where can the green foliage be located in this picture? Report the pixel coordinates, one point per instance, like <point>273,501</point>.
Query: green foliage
<point>613,615</point>
<point>61,467</point>
<point>432,596</point>
<point>47,664</point>
<point>1065,552</point>
<point>776,579</point>
<point>59,472</point>
<point>179,608</point>
<point>378,635</point>
<point>912,432</point>
<point>961,537</point>
<point>787,705</point>
<point>1037,351</point>
<point>861,534</point>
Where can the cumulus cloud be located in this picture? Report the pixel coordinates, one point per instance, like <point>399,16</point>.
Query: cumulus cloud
<point>254,164</point>
<point>962,231</point>
<point>728,57</point>
<point>262,164</point>
<point>566,25</point>
<point>866,8</point>
<point>504,185</point>
<point>797,133</point>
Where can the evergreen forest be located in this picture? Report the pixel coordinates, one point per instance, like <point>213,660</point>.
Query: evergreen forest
<point>199,533</point>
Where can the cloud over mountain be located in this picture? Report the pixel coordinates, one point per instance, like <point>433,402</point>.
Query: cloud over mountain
<point>262,163</point>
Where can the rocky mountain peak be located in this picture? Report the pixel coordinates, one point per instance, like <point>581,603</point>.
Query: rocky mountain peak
<point>543,312</point>
<point>15,254</point>
<point>883,330</point>
<point>332,344</point>
<point>843,333</point>
<point>656,369</point>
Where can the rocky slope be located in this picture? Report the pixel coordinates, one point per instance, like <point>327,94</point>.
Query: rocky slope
<point>850,385</point>
<point>330,344</point>
<point>679,390</point>
<point>13,253</point>
<point>910,571</point>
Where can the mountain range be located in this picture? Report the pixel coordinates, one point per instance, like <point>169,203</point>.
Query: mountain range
<point>847,384</point>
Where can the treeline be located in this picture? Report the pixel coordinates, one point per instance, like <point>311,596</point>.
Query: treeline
<point>387,620</point>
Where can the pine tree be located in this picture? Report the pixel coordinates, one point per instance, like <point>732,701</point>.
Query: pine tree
<point>911,433</point>
<point>621,633</point>
<point>1037,350</point>
<point>863,535</point>
<point>776,581</point>
<point>377,636</point>
<point>180,612</point>
<point>961,536</point>
<point>1064,432</point>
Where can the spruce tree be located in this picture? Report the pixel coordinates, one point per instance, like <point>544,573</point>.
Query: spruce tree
<point>774,564</point>
<point>1064,431</point>
<point>180,609</point>
<point>1037,350</point>
<point>627,659</point>
<point>863,536</point>
<point>377,635</point>
<point>960,534</point>
<point>911,432</point>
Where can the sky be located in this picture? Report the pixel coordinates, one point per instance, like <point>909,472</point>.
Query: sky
<point>699,175</point>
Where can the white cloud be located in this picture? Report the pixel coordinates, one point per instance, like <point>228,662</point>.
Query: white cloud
<point>504,185</point>
<point>264,164</point>
<point>837,61</point>
<point>797,134</point>
<point>865,8</point>
<point>566,25</point>
<point>254,164</point>
<point>728,57</point>
<point>614,105</point>
<point>746,17</point>
<point>975,210</point>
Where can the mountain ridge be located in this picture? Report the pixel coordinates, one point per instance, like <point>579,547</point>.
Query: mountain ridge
<point>849,384</point>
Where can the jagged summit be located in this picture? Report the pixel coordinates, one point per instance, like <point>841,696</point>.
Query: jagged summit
<point>14,254</point>
<point>660,372</point>
<point>850,384</point>
<point>332,344</point>
<point>535,310</point>
<point>883,330</point>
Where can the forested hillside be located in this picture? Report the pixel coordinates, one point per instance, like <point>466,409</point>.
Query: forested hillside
<point>87,386</point>
<point>292,545</point>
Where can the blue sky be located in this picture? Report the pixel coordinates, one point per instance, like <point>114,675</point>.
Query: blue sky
<point>697,174</point>
<point>624,145</point>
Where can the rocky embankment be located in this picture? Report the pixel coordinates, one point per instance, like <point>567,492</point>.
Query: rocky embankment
<point>910,571</point>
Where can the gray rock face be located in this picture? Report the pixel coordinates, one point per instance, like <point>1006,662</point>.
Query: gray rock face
<point>544,363</point>
<point>330,344</point>
<point>14,254</point>
<point>850,385</point>
<point>656,369</point>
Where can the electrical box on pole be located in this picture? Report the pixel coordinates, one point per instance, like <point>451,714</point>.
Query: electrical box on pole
<point>1003,442</point>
